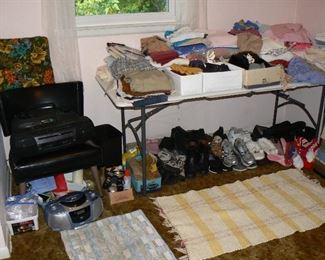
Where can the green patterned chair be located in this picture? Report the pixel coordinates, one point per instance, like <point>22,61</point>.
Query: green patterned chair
<point>25,62</point>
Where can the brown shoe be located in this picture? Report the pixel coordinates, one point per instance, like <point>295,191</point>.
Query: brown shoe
<point>215,146</point>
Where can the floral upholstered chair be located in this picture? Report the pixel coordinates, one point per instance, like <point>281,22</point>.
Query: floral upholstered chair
<point>25,62</point>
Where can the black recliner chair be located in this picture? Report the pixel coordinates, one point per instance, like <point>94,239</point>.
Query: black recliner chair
<point>103,150</point>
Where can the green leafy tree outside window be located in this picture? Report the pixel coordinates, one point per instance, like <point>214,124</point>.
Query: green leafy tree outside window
<point>104,7</point>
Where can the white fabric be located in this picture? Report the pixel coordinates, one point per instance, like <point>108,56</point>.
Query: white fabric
<point>59,25</point>
<point>237,215</point>
<point>192,13</point>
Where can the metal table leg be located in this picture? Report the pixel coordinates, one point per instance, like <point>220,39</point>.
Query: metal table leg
<point>276,105</point>
<point>320,119</point>
<point>123,129</point>
<point>143,150</point>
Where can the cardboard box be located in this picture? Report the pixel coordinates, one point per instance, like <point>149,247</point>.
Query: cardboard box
<point>120,196</point>
<point>23,225</point>
<point>153,180</point>
<point>263,77</point>
<point>186,85</point>
<point>224,80</point>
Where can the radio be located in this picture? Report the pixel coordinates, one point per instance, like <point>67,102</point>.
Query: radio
<point>73,210</point>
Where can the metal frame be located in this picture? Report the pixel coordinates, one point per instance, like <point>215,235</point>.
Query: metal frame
<point>140,121</point>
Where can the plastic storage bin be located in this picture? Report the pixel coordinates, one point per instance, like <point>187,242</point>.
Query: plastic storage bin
<point>186,85</point>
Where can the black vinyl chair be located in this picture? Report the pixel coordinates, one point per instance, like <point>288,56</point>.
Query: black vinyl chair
<point>103,150</point>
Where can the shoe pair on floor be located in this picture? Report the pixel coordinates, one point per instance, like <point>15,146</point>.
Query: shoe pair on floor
<point>171,166</point>
<point>232,151</point>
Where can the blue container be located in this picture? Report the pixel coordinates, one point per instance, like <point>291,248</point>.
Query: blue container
<point>152,185</point>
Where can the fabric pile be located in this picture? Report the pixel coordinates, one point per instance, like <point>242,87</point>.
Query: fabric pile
<point>185,51</point>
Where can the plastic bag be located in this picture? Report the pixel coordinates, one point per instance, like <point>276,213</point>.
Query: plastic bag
<point>21,206</point>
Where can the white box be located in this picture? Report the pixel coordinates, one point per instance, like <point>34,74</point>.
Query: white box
<point>186,85</point>
<point>223,80</point>
<point>23,225</point>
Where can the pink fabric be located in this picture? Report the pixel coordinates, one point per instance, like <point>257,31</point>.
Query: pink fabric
<point>290,32</point>
<point>222,39</point>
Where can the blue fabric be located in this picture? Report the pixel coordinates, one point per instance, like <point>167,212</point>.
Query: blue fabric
<point>43,185</point>
<point>301,71</point>
<point>190,48</point>
<point>150,100</point>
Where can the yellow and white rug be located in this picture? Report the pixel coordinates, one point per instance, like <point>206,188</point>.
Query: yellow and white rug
<point>234,216</point>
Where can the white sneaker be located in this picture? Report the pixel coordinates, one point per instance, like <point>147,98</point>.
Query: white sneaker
<point>267,146</point>
<point>297,162</point>
<point>255,150</point>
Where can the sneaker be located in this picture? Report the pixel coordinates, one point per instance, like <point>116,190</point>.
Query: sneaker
<point>242,152</point>
<point>255,150</point>
<point>267,146</point>
<point>228,157</point>
<point>239,167</point>
<point>297,161</point>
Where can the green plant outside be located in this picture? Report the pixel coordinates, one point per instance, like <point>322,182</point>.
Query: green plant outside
<point>104,7</point>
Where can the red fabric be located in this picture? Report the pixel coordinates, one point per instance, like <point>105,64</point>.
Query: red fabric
<point>163,57</point>
<point>284,63</point>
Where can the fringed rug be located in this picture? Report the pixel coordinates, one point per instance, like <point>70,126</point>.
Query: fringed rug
<point>128,236</point>
<point>234,216</point>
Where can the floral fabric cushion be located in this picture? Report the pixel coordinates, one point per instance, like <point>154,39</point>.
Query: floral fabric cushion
<point>25,62</point>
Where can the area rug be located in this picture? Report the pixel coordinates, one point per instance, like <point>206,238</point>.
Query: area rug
<point>234,216</point>
<point>128,236</point>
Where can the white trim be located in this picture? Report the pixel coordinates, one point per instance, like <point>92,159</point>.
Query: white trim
<point>127,23</point>
<point>7,247</point>
<point>4,252</point>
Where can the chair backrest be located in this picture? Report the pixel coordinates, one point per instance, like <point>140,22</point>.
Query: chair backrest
<point>67,96</point>
<point>25,62</point>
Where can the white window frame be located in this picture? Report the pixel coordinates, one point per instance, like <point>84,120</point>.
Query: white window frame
<point>97,25</point>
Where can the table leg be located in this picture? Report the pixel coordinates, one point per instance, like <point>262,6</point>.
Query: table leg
<point>143,150</point>
<point>275,111</point>
<point>320,119</point>
<point>123,129</point>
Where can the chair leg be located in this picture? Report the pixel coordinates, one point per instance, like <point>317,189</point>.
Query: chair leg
<point>96,176</point>
<point>22,188</point>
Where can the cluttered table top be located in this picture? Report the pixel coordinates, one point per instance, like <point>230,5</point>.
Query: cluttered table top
<point>189,64</point>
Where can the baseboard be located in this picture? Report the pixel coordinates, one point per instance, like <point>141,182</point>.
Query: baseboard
<point>4,252</point>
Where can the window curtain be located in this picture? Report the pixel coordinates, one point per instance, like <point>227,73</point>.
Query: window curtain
<point>192,13</point>
<point>59,25</point>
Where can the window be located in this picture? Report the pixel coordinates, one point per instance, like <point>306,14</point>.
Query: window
<point>99,17</point>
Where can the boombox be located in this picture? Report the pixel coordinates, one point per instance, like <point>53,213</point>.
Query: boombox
<point>73,210</point>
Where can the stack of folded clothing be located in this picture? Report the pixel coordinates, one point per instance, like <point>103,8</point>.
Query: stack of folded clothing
<point>139,80</point>
<point>163,57</point>
<point>184,40</point>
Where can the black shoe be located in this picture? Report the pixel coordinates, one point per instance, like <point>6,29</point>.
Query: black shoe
<point>180,138</point>
<point>215,164</point>
<point>192,162</point>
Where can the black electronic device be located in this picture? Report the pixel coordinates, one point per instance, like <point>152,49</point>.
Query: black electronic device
<point>46,130</point>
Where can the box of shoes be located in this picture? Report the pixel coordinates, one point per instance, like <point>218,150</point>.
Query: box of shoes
<point>185,84</point>
<point>262,77</point>
<point>223,80</point>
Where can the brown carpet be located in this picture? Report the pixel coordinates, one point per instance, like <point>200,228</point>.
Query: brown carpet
<point>47,244</point>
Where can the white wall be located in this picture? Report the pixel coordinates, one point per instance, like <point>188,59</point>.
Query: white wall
<point>221,15</point>
<point>23,18</point>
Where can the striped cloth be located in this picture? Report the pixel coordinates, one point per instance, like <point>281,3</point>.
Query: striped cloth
<point>234,216</point>
<point>128,236</point>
